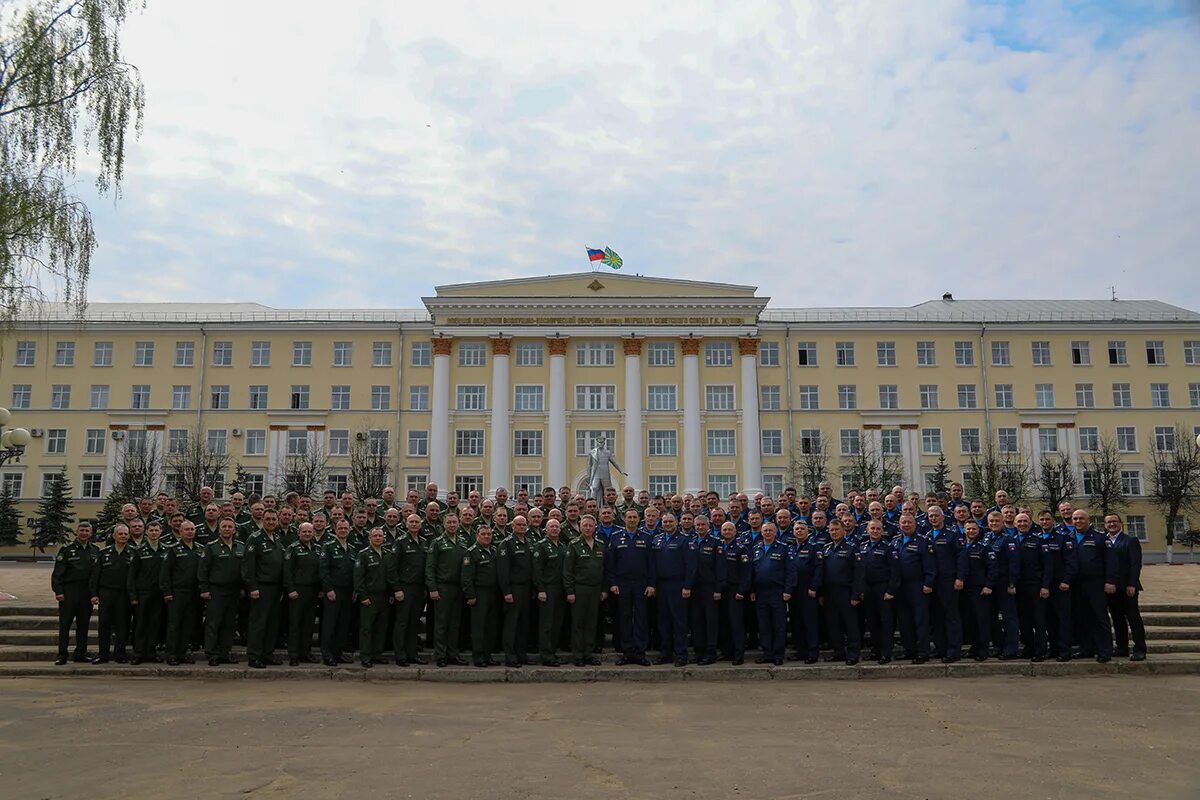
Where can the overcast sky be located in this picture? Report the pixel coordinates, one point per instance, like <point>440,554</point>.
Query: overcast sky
<point>356,154</point>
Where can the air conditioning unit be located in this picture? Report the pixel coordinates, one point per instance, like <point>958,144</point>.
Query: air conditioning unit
<point>237,431</point>
<point>360,436</point>
<point>37,433</point>
<point>118,435</point>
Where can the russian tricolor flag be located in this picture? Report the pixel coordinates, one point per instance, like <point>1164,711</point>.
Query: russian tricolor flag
<point>595,255</point>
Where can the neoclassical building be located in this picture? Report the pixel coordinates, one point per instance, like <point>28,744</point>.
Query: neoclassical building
<point>507,383</point>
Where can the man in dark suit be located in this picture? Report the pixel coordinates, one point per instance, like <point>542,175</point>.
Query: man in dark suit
<point>1123,594</point>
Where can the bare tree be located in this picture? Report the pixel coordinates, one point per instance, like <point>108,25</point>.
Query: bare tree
<point>1175,480</point>
<point>370,466</point>
<point>304,473</point>
<point>1055,480</point>
<point>992,470</point>
<point>1102,483</point>
<point>195,465</point>
<point>136,473</point>
<point>870,467</point>
<point>810,465</point>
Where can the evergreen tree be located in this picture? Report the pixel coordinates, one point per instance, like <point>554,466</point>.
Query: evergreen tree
<point>55,516</point>
<point>10,520</point>
<point>939,479</point>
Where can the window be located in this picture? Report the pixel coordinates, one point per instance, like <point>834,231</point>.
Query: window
<point>64,354</point>
<point>718,398</point>
<point>1041,354</point>
<point>48,481</point>
<point>379,442</point>
<point>595,354</point>
<point>343,354</point>
<point>723,485</point>
<point>527,443</point>
<point>810,441</point>
<point>139,396</point>
<point>102,354</point>
<point>135,440</point>
<point>1091,481</point>
<point>850,441</point>
<point>91,485</point>
<point>420,354</point>
<point>1135,526</point>
<point>772,485</point>
<point>26,354</point>
<point>718,354</point>
<point>299,397</point>
<point>94,442</point>
<point>806,355</point>
<point>13,483</point>
<point>885,354</point>
<point>339,483</point>
<point>418,444</point>
<point>254,483</point>
<point>1160,395</point>
<point>216,442</point>
<point>1164,439</point>
<point>220,397</point>
<point>171,483</point>
<point>529,398</point>
<point>1156,354</point>
<point>1044,395</point>
<point>585,438</point>
<point>969,439</point>
<point>768,354</point>
<point>1122,395</point>
<point>1116,353</point>
<point>60,396</point>
<point>772,442</point>
<point>844,354</point>
<point>1194,395</point>
<point>381,354</point>
<point>339,442</point>
<point>1007,438</point>
<point>260,354</point>
<point>889,442</point>
<point>966,396</point>
<point>1081,353</point>
<point>339,397</point>
<point>530,483</point>
<point>222,354</point>
<point>471,398</point>
<point>468,443</point>
<point>472,354</point>
<point>964,354</point>
<point>929,395</point>
<point>1085,396</point>
<point>769,398</point>
<point>847,397</point>
<point>1004,395</point>
<point>99,397</point>
<point>465,484</point>
<point>297,443</point>
<point>1131,482</point>
<point>418,398</point>
<point>661,398</point>
<point>926,354</point>
<point>931,441</point>
<point>301,354</point>
<point>56,441</point>
<point>530,354</point>
<point>666,485</point>
<point>256,442</point>
<point>181,398</point>
<point>889,395</point>
<point>1048,440</point>
<point>143,354</point>
<point>807,398</point>
<point>22,393</point>
<point>1126,439</point>
<point>1089,440</point>
<point>595,397</point>
<point>1001,357</point>
<point>1191,352</point>
<point>660,354</point>
<point>381,398</point>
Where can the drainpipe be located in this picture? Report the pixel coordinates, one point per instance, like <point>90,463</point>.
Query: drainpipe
<point>396,471</point>
<point>203,362</point>
<point>987,404</point>
<point>787,343</point>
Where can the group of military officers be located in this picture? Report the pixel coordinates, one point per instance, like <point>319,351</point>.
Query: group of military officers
<point>957,578</point>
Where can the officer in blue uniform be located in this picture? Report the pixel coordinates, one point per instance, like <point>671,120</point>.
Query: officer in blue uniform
<point>627,567</point>
<point>670,559</point>
<point>842,589</point>
<point>805,606</point>
<point>978,567</point>
<point>881,581</point>
<point>947,623</point>
<point>773,577</point>
<point>705,553</point>
<point>918,573</point>
<point>1032,594</point>
<point>733,582</point>
<point>1003,551</point>
<point>1058,575</point>
<point>1097,567</point>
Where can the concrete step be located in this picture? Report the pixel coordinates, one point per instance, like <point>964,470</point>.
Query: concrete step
<point>1174,619</point>
<point>10,610</point>
<point>1156,607</point>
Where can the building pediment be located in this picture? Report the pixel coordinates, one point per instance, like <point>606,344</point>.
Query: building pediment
<point>594,284</point>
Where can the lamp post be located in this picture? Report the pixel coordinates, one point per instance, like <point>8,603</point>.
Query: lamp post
<point>12,441</point>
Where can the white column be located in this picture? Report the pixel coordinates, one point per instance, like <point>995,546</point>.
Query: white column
<point>110,459</point>
<point>910,446</point>
<point>1072,451</point>
<point>500,464</point>
<point>439,434</point>
<point>158,438</point>
<point>556,438</point>
<point>631,459</point>
<point>751,437</point>
<point>692,464</point>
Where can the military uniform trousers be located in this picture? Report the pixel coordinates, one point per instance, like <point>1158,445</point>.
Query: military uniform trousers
<point>979,619</point>
<point>372,626</point>
<point>1005,605</point>
<point>585,613</point>
<point>806,632</point>
<point>631,611</point>
<point>515,634</point>
<point>221,620</point>
<point>880,619</point>
<point>551,612</point>
<point>484,618</point>
<point>147,631</point>
<point>447,621</point>
<point>704,610</point>
<point>1094,613</point>
<point>182,613</point>
<point>772,622</point>
<point>842,618</point>
<point>947,621</point>
<point>913,613</point>
<point>302,621</point>
<point>1031,609</point>
<point>672,619</point>
<point>264,622</point>
<point>405,643</point>
<point>1059,622</point>
<point>74,610</point>
<point>114,621</point>
<point>335,623</point>
<point>733,626</point>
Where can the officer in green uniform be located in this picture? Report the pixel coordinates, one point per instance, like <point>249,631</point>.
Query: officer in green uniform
<point>391,526</point>
<point>516,587</point>
<point>583,581</point>
<point>196,513</point>
<point>407,582</point>
<point>337,585</point>
<point>262,574</point>
<point>500,525</point>
<point>443,579</point>
<point>178,579</point>
<point>145,594</point>
<point>629,503</point>
<point>209,528</point>
<point>548,557</point>
<point>370,586</point>
<point>109,586</point>
<point>252,525</point>
<point>480,585</point>
<point>360,534</point>
<point>69,582</point>
<point>432,525</point>
<point>302,582</point>
<point>220,579</point>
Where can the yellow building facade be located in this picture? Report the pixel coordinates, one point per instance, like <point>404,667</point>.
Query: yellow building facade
<point>507,383</point>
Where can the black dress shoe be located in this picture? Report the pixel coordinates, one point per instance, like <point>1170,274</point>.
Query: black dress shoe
<point>172,662</point>
<point>663,660</point>
<point>99,660</point>
<point>293,662</point>
<point>60,661</point>
<point>1063,659</point>
<point>737,662</point>
<point>135,660</point>
<point>1138,657</point>
<point>329,662</point>
<point>480,663</point>
<point>187,658</point>
<point>419,660</point>
<point>82,658</point>
<point>367,664</point>
<point>441,662</point>
<point>810,660</point>
<point>214,662</point>
<point>949,659</point>
<point>256,664</point>
<point>229,660</point>
<point>551,662</point>
<point>623,661</point>
<point>850,662</point>
<point>401,662</point>
<point>682,662</point>
<point>834,658</point>
<point>778,662</point>
<point>579,662</point>
<point>594,661</point>
<point>121,659</point>
<point>345,659</point>
<point>491,662</point>
<point>274,661</point>
<point>982,658</point>
<point>1038,659</point>
<point>762,660</point>
<point>920,660</point>
<point>514,663</point>
<point>884,660</point>
<point>311,659</point>
<point>704,662</point>
<point>458,661</point>
<point>1103,659</point>
<point>1121,654</point>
